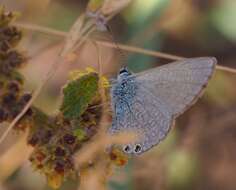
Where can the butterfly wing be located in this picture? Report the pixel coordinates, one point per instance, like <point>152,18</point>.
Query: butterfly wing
<point>179,84</point>
<point>161,95</point>
<point>144,115</point>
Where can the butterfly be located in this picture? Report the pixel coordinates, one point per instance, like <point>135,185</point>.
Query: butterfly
<point>148,103</point>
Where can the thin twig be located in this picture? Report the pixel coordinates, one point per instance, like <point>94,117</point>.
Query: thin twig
<point>227,69</point>
<point>58,62</point>
<point>46,78</point>
<point>140,50</point>
<point>102,89</point>
<point>41,29</point>
<point>112,45</point>
<point>50,73</point>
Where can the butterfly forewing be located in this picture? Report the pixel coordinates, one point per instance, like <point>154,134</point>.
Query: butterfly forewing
<point>178,84</point>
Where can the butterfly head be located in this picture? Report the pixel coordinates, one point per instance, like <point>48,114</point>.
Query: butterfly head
<point>124,72</point>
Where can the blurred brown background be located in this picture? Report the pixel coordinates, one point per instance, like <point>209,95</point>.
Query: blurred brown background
<point>199,152</point>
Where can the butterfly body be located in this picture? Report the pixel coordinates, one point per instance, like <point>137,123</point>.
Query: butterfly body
<point>147,103</point>
<point>123,91</point>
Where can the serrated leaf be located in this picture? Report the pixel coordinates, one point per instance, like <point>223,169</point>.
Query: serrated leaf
<point>78,94</point>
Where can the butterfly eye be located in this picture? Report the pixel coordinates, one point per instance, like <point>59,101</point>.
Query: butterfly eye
<point>123,70</point>
<point>127,149</point>
<point>137,148</point>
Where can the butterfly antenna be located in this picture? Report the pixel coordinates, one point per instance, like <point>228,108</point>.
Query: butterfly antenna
<point>114,40</point>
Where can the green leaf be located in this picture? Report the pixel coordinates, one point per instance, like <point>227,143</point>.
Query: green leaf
<point>78,94</point>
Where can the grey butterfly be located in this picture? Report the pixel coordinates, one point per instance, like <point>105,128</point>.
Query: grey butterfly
<point>149,102</point>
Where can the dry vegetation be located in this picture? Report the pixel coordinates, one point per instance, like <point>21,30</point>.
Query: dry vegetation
<point>40,127</point>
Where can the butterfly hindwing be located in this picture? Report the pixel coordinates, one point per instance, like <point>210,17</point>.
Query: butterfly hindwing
<point>151,117</point>
<point>136,110</point>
